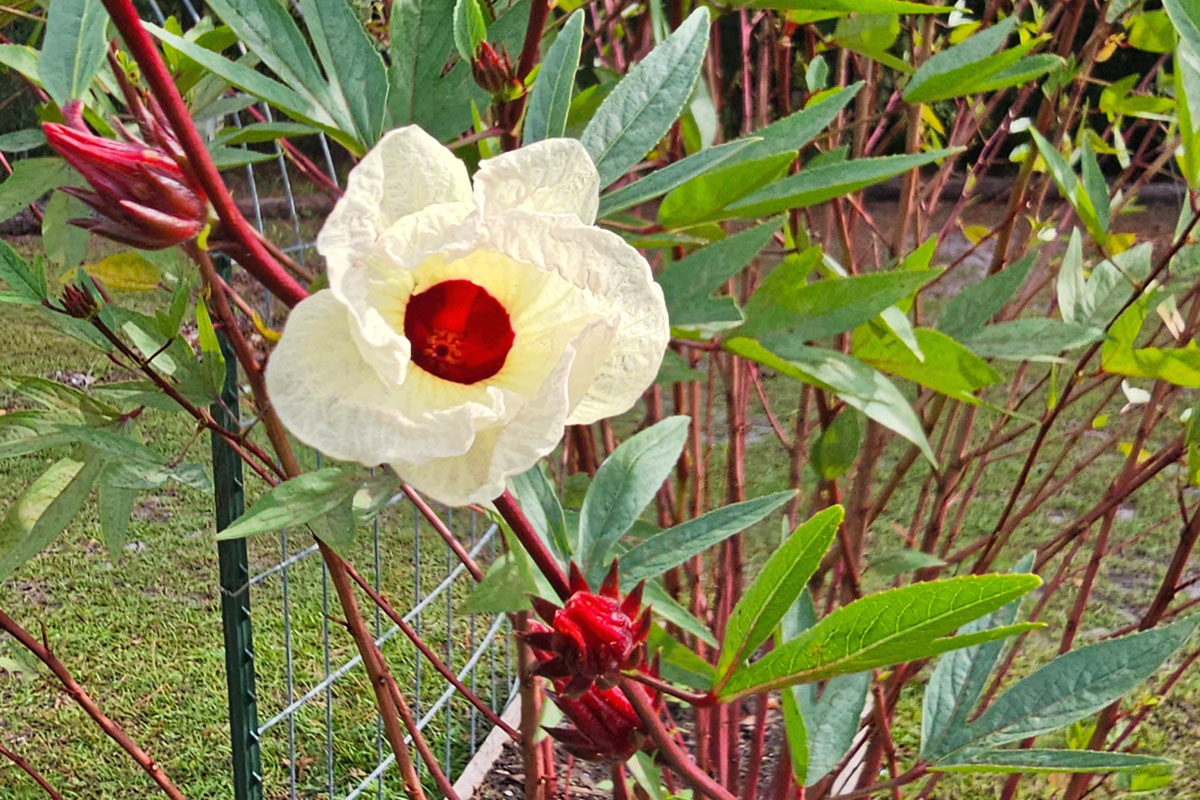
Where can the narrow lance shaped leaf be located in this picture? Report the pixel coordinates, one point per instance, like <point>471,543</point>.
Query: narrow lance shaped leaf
<point>777,586</point>
<point>469,28</point>
<point>354,67</point>
<point>1007,762</point>
<point>550,98</point>
<point>643,106</point>
<point>663,180</point>
<point>625,483</point>
<point>295,502</point>
<point>887,628</point>
<point>672,547</point>
<point>952,72</point>
<point>970,309</point>
<point>1073,686</point>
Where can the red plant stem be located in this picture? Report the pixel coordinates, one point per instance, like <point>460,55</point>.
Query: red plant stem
<point>24,766</point>
<point>658,684</point>
<point>668,750</point>
<point>511,511</point>
<point>447,673</point>
<point>753,765</point>
<point>85,701</point>
<point>443,531</point>
<point>254,257</point>
<point>414,730</point>
<point>376,671</point>
<point>531,712</point>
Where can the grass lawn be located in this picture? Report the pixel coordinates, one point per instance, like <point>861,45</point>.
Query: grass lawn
<point>143,635</point>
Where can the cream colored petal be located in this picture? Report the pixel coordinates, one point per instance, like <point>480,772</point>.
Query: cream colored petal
<point>405,172</point>
<point>376,284</point>
<point>619,278</point>
<point>554,176</point>
<point>330,398</point>
<point>478,475</point>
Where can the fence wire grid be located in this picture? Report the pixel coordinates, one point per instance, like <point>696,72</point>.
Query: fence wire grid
<point>303,722</point>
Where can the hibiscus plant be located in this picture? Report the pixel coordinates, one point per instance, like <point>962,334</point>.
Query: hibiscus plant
<point>558,226</point>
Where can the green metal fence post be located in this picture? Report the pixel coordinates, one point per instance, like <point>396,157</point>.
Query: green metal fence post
<point>235,588</point>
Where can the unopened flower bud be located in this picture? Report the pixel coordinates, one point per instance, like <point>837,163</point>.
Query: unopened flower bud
<point>494,71</point>
<point>79,302</point>
<point>141,195</point>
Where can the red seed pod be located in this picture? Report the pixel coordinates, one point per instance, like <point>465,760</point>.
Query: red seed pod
<point>592,638</point>
<point>141,195</point>
<point>607,728</point>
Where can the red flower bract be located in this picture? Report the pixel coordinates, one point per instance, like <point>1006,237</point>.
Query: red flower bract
<point>592,637</point>
<point>142,196</point>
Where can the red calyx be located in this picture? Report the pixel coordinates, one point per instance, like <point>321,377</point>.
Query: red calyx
<point>592,638</point>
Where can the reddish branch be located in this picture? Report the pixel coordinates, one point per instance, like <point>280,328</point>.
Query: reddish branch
<point>84,700</point>
<point>24,766</point>
<point>251,253</point>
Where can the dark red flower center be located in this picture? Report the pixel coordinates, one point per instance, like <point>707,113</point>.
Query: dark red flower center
<point>458,331</point>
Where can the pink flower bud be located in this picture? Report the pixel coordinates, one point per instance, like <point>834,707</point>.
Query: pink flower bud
<point>592,637</point>
<point>141,195</point>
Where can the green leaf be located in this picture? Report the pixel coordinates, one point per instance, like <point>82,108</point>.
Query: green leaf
<point>688,284</point>
<point>470,29</point>
<point>706,197</point>
<point>948,367</point>
<point>969,309</point>
<point>146,475</point>
<point>1094,185</point>
<point>672,547</point>
<point>898,625</point>
<point>899,562</point>
<point>550,98</point>
<point>785,304</point>
<point>504,589</point>
<point>20,141</point>
<point>679,664</point>
<point>1151,31</point>
<point>35,518</point>
<point>1071,285</point>
<point>539,500</point>
<point>1185,15</point>
<point>1031,339</point>
<point>65,244</point>
<point>19,276</point>
<point>793,132</point>
<point>857,384</point>
<point>836,447</point>
<point>777,586</point>
<point>642,107</point>
<point>295,502</point>
<point>960,677</point>
<point>675,369</point>
<point>262,132</point>
<point>22,59</point>
<point>625,483</point>
<point>1073,686</point>
<point>814,185</point>
<point>796,732</point>
<point>831,720</point>
<point>1023,71</point>
<point>1003,762</point>
<point>661,181</point>
<point>668,609</point>
<point>957,70</point>
<point>73,48</point>
<point>115,504</point>
<point>126,272</point>
<point>301,106</point>
<point>269,31</point>
<point>838,8</point>
<point>30,179</point>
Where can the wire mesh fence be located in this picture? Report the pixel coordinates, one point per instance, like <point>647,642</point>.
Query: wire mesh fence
<point>303,723</point>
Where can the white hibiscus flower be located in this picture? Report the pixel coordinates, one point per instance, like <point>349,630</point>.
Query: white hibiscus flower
<point>464,326</point>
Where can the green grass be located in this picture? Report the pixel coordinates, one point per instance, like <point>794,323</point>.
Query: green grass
<point>144,636</point>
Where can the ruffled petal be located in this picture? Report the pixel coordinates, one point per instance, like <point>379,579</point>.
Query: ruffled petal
<point>554,176</point>
<point>619,277</point>
<point>478,475</point>
<point>332,399</point>
<point>405,172</point>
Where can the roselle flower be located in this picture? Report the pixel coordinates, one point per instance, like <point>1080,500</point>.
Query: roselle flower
<point>466,326</point>
<point>592,638</point>
<point>140,194</point>
<point>607,728</point>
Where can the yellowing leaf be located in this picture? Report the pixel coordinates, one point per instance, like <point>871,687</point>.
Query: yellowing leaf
<point>975,233</point>
<point>1120,242</point>
<point>267,332</point>
<point>125,272</point>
